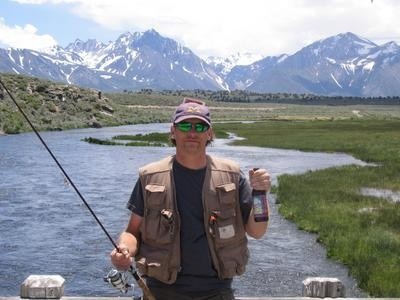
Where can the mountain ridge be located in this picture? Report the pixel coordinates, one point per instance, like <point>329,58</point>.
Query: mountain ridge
<point>340,65</point>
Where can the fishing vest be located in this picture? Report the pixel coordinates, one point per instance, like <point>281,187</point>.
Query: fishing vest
<point>159,250</point>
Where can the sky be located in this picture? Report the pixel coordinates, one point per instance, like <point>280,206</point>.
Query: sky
<point>207,27</point>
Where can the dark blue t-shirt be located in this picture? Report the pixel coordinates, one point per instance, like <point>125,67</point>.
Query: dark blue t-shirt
<point>197,273</point>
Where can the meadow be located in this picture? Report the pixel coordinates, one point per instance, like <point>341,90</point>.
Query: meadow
<point>362,232</point>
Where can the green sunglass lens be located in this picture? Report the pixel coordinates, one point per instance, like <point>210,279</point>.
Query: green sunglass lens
<point>200,127</point>
<point>186,127</point>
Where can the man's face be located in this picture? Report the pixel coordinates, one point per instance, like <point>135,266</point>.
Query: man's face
<point>188,138</point>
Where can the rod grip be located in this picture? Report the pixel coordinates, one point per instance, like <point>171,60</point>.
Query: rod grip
<point>142,284</point>
<point>145,289</point>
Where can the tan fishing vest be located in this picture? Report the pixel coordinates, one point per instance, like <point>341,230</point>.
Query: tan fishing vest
<point>159,250</point>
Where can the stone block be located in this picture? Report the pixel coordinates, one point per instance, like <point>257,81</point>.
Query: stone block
<point>42,287</point>
<point>321,287</point>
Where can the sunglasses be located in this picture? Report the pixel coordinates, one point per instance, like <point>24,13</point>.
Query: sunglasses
<point>187,126</point>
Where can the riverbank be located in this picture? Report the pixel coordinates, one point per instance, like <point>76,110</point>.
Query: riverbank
<point>363,232</point>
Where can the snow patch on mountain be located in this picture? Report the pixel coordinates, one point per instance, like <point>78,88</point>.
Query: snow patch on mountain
<point>226,64</point>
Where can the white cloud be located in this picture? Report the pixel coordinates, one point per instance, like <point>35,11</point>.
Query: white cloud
<point>223,27</point>
<point>24,37</point>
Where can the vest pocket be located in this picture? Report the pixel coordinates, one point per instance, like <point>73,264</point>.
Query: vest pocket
<point>154,262</point>
<point>233,260</point>
<point>227,194</point>
<point>155,195</point>
<point>223,226</point>
<point>158,224</point>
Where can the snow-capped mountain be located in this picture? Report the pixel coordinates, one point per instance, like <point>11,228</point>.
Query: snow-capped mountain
<point>243,77</point>
<point>345,64</point>
<point>224,65</point>
<point>133,61</point>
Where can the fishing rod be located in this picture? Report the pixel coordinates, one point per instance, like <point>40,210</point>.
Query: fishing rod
<point>114,277</point>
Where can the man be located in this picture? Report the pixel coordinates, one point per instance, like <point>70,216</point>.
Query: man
<point>190,215</point>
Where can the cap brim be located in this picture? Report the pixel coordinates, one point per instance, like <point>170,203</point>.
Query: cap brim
<point>180,119</point>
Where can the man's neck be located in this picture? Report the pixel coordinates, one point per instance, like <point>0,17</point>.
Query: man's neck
<point>194,162</point>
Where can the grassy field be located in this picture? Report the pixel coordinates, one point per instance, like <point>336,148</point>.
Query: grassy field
<point>360,231</point>
<point>53,106</point>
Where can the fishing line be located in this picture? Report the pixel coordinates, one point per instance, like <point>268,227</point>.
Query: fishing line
<point>133,270</point>
<point>58,164</point>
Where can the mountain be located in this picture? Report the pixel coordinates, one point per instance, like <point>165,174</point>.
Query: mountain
<point>344,64</point>
<point>224,65</point>
<point>244,77</point>
<point>132,62</point>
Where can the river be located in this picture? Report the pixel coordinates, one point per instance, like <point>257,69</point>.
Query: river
<point>46,229</point>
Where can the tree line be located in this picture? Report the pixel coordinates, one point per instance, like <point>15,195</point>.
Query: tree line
<point>242,96</point>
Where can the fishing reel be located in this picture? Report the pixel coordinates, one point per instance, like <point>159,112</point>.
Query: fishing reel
<point>118,280</point>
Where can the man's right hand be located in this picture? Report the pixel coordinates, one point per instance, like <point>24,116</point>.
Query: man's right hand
<point>121,257</point>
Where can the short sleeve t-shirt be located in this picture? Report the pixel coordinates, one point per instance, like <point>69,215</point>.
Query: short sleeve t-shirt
<point>197,272</point>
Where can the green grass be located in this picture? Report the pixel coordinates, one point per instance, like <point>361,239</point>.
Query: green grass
<point>361,232</point>
<point>55,106</point>
<point>97,141</point>
<point>151,139</point>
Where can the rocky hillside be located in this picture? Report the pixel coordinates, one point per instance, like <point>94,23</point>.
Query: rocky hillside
<point>51,106</point>
<point>57,106</point>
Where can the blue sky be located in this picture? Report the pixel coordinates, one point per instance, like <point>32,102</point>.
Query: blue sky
<point>208,27</point>
<point>57,21</point>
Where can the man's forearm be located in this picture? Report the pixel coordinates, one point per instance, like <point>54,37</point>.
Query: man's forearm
<point>255,229</point>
